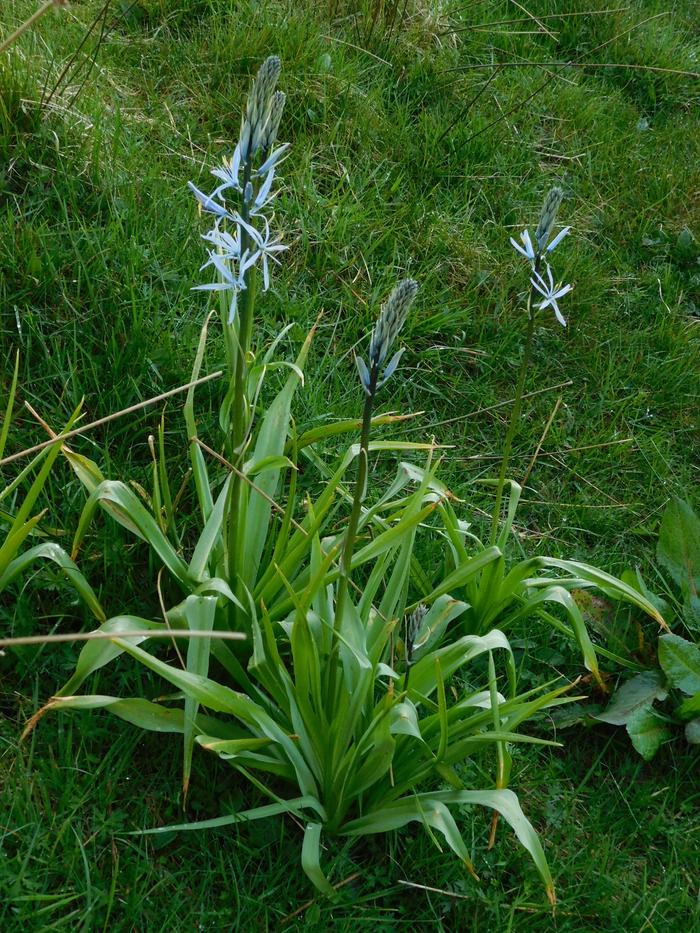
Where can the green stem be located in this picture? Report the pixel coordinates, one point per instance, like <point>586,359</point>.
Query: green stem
<point>517,408</point>
<point>239,407</point>
<point>353,524</point>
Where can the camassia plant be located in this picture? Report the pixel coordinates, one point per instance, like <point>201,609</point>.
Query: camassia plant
<point>499,593</point>
<point>336,706</point>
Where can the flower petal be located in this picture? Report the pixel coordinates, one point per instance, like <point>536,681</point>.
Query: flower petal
<point>557,239</point>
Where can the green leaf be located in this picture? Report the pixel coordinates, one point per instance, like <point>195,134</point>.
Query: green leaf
<point>678,549</point>
<point>605,582</point>
<point>635,694</point>
<point>53,552</point>
<point>199,612</point>
<point>270,443</point>
<point>558,594</point>
<point>85,469</point>
<point>274,462</point>
<point>444,610</point>
<point>247,752</point>
<point>311,859</point>
<point>295,806</point>
<point>648,731</point>
<point>222,699</point>
<point>121,503</point>
<point>464,572</point>
<point>423,679</point>
<point>680,661</point>
<point>404,720</point>
<point>22,523</point>
<point>428,808</point>
<point>95,654</point>
<point>4,431</point>
<point>690,708</point>
<point>692,732</point>
<point>211,536</point>
<point>139,712</point>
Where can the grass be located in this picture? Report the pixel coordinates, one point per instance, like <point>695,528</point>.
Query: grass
<point>409,158</point>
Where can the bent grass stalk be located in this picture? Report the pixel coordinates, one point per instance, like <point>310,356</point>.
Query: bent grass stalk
<point>27,24</point>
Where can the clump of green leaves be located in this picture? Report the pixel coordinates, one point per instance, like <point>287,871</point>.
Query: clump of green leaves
<point>654,703</point>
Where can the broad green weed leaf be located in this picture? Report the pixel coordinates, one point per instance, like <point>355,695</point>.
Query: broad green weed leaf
<point>680,661</point>
<point>648,731</point>
<point>678,549</point>
<point>637,693</point>
<point>690,708</point>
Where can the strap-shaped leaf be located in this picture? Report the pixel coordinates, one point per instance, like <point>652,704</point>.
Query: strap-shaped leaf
<point>451,657</point>
<point>558,594</point>
<point>201,565</point>
<point>607,583</point>
<point>463,573</point>
<point>96,654</point>
<point>142,713</point>
<point>222,699</point>
<point>199,612</point>
<point>271,441</point>
<point>247,752</point>
<point>311,859</point>
<point>420,807</point>
<point>123,505</point>
<point>52,552</point>
<point>444,610</point>
<point>295,807</point>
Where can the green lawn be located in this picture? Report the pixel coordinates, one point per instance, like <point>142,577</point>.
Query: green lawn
<point>418,147</point>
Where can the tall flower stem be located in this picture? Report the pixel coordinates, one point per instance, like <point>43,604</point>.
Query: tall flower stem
<point>239,413</point>
<point>517,407</point>
<point>353,524</point>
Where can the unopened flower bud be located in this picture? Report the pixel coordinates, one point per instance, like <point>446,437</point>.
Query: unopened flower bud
<point>391,319</point>
<point>549,214</point>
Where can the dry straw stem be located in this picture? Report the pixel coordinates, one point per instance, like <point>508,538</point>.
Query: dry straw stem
<point>300,910</point>
<point>100,421</point>
<point>103,636</point>
<point>533,461</point>
<point>27,24</point>
<point>488,408</point>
